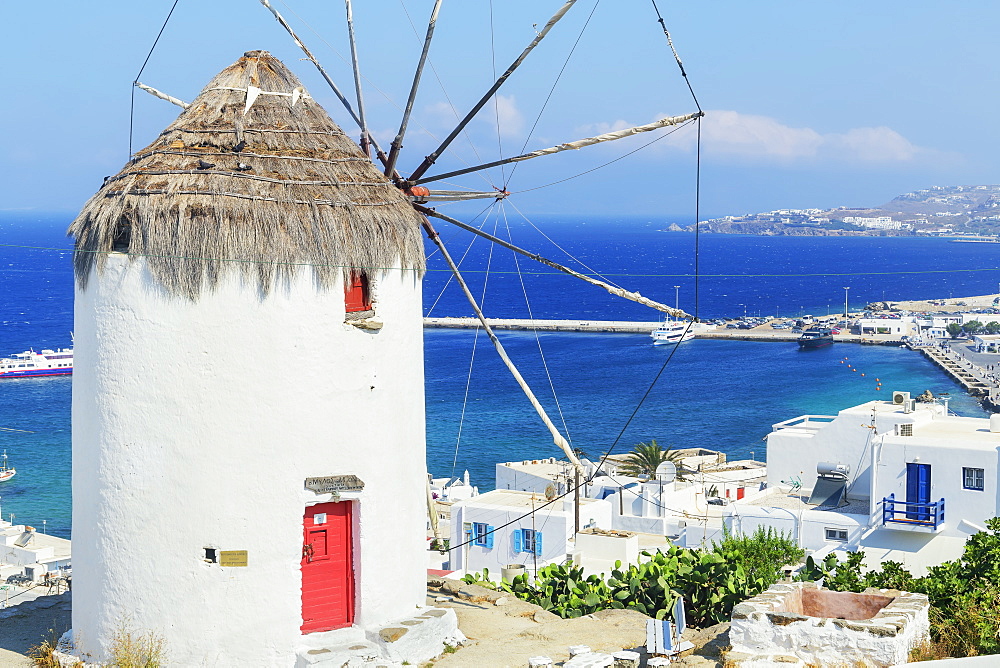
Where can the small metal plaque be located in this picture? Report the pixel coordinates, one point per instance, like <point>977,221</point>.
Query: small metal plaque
<point>332,484</point>
<point>233,558</point>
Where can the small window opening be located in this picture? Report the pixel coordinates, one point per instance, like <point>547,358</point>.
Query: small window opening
<point>836,535</point>
<point>211,555</point>
<point>973,478</point>
<point>123,238</point>
<point>357,294</point>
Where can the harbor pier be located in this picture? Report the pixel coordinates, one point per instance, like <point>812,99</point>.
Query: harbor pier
<point>606,326</point>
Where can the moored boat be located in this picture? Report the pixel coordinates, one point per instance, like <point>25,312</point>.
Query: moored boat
<point>6,473</point>
<point>672,331</point>
<point>31,364</point>
<point>816,337</point>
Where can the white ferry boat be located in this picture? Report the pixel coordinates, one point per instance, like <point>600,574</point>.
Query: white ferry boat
<point>672,331</point>
<point>31,364</point>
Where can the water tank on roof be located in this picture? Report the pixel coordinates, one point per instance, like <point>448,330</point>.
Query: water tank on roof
<point>833,470</point>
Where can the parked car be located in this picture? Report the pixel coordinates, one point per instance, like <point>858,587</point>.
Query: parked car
<point>19,579</point>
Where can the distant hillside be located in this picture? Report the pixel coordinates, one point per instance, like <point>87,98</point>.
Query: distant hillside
<point>936,210</point>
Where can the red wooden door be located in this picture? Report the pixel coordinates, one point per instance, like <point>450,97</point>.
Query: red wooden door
<point>327,567</point>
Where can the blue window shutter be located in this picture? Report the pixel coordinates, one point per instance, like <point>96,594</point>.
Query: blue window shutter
<point>538,543</point>
<point>518,542</point>
<point>489,536</point>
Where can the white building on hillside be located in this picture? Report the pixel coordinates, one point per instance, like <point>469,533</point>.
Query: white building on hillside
<point>25,551</point>
<point>918,482</point>
<point>499,528</point>
<point>654,509</point>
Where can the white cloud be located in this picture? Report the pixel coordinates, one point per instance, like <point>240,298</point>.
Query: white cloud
<point>730,133</point>
<point>511,121</point>
<point>594,129</point>
<point>440,116</point>
<point>879,144</point>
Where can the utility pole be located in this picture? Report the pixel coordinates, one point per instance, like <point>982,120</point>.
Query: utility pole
<point>846,310</point>
<point>576,502</point>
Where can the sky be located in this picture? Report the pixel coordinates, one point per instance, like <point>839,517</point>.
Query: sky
<point>807,104</point>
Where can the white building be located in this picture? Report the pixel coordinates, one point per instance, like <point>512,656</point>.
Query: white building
<point>920,482</point>
<point>249,477</point>
<point>503,527</point>
<point>25,551</point>
<point>877,222</point>
<point>654,510</point>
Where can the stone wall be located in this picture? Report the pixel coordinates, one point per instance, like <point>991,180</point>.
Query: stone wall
<point>801,623</point>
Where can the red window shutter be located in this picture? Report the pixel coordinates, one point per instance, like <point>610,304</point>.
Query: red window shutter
<point>356,294</point>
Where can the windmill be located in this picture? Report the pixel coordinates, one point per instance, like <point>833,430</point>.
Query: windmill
<point>272,443</point>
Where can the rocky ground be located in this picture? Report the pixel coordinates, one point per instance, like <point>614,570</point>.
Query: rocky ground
<point>950,305</point>
<point>505,631</point>
<point>28,624</point>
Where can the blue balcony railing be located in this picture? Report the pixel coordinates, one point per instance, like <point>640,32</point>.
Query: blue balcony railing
<point>913,514</point>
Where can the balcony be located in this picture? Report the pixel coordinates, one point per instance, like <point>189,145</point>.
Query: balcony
<point>904,515</point>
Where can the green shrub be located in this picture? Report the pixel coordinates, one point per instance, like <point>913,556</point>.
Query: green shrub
<point>711,581</point>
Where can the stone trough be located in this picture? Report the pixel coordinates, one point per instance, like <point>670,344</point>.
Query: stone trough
<point>803,624</point>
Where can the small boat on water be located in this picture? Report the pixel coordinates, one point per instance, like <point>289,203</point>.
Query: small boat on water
<point>31,364</point>
<point>672,331</point>
<point>6,473</point>
<point>816,337</point>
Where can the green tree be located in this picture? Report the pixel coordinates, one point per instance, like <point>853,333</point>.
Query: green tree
<point>954,329</point>
<point>972,327</point>
<point>764,552</point>
<point>645,457</point>
<point>992,327</point>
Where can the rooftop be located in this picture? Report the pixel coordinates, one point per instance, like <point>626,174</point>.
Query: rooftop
<point>797,502</point>
<point>512,498</point>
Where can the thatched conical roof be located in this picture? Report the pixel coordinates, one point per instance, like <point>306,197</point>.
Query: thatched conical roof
<point>263,185</point>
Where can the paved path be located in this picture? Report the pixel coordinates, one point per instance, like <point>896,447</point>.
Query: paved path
<point>982,368</point>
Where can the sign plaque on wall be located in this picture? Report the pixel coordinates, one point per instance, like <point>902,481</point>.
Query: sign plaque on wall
<point>334,484</point>
<point>233,558</point>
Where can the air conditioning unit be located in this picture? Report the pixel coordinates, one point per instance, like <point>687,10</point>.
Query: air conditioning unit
<point>900,398</point>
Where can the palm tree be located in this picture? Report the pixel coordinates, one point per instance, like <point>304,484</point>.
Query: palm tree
<point>645,457</point>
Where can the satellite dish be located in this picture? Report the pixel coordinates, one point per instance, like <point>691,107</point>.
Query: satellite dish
<point>666,472</point>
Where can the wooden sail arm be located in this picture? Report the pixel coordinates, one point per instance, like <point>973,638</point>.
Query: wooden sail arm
<point>618,292</point>
<point>365,136</point>
<point>557,437</point>
<point>432,158</point>
<point>379,153</point>
<point>420,195</point>
<point>397,143</point>
<point>160,94</point>
<point>570,146</point>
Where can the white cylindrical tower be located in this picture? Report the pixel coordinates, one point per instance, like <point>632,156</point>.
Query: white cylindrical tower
<point>248,413</point>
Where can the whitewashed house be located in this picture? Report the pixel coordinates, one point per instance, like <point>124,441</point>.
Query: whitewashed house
<point>915,482</point>
<point>25,551</point>
<point>249,476</point>
<point>655,510</point>
<point>498,528</point>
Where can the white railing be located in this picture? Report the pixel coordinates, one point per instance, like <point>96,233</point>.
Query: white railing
<point>805,422</point>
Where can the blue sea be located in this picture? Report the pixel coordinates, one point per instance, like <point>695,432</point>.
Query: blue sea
<point>604,390</point>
